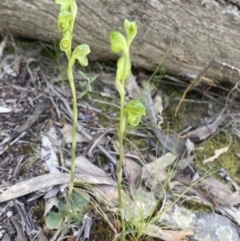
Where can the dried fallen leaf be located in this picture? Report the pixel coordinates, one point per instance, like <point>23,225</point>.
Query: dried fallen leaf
<point>235,198</point>
<point>83,165</point>
<point>2,47</point>
<point>155,172</point>
<point>48,151</point>
<point>215,191</point>
<point>189,145</point>
<point>132,170</point>
<point>217,153</point>
<point>204,131</point>
<point>48,180</point>
<point>7,69</point>
<point>166,235</point>
<point>106,194</point>
<point>140,206</point>
<point>132,87</point>
<point>50,204</point>
<point>234,213</point>
<point>34,184</point>
<point>4,110</point>
<point>67,134</point>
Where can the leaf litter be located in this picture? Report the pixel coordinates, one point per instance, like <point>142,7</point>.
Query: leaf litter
<point>35,140</point>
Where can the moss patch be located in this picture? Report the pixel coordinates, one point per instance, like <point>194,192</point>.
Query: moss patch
<point>229,160</point>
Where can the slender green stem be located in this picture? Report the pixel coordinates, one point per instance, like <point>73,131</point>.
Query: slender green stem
<point>74,128</point>
<point>121,151</point>
<point>120,164</point>
<point>74,131</point>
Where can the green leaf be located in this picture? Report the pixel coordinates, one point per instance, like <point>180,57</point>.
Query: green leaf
<point>77,218</point>
<point>131,30</point>
<point>123,70</point>
<point>53,220</point>
<point>64,19</point>
<point>62,208</point>
<point>65,43</point>
<point>79,202</point>
<point>134,111</point>
<point>118,42</point>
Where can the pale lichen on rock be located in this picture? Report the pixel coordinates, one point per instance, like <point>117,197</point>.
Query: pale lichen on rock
<point>233,12</point>
<point>224,233</point>
<point>209,4</point>
<point>183,217</point>
<point>206,226</point>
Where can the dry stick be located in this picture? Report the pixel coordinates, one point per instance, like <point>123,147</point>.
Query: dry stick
<point>196,81</point>
<point>228,65</point>
<point>196,89</point>
<point>193,83</point>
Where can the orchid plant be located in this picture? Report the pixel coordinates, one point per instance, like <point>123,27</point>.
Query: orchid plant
<point>66,20</point>
<point>131,112</point>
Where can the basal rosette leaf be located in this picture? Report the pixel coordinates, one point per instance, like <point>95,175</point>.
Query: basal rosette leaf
<point>131,30</point>
<point>134,111</point>
<point>65,43</point>
<point>64,19</point>
<point>118,42</point>
<point>79,202</point>
<point>53,220</point>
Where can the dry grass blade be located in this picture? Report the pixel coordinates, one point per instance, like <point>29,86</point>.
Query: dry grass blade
<point>193,83</point>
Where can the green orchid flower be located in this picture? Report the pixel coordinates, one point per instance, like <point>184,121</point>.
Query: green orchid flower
<point>134,111</point>
<point>64,19</point>
<point>65,43</point>
<point>80,53</point>
<point>131,30</point>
